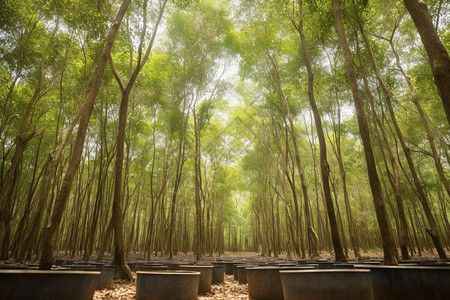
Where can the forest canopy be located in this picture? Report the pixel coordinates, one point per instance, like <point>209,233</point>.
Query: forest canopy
<point>167,126</point>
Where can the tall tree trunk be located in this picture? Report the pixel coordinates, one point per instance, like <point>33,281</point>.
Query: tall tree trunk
<point>284,106</point>
<point>282,175</point>
<point>437,55</point>
<point>433,230</point>
<point>324,167</point>
<point>444,215</point>
<point>19,241</point>
<point>354,240</point>
<point>181,158</point>
<point>119,261</point>
<point>394,179</point>
<point>297,237</point>
<point>380,207</point>
<point>8,197</point>
<point>198,247</point>
<point>220,232</point>
<point>31,237</point>
<point>49,241</point>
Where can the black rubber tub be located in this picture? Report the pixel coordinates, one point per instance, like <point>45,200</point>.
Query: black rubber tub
<point>235,264</point>
<point>325,265</point>
<point>61,262</point>
<point>224,264</point>
<point>409,282</point>
<point>351,265</point>
<point>264,282</point>
<point>97,265</point>
<point>151,268</point>
<point>205,276</point>
<point>38,284</point>
<point>105,280</point>
<point>327,284</point>
<point>13,267</point>
<point>241,273</point>
<point>218,275</point>
<point>167,285</point>
<point>173,265</point>
<point>229,267</point>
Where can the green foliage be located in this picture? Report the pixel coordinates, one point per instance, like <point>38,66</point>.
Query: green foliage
<point>9,14</point>
<point>241,118</point>
<point>183,4</point>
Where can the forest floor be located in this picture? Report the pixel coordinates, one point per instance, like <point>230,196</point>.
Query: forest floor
<point>230,288</point>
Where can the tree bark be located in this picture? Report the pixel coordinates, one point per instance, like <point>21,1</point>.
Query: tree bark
<point>324,167</point>
<point>119,261</point>
<point>282,175</point>
<point>354,240</point>
<point>198,247</point>
<point>375,185</point>
<point>394,179</point>
<point>180,163</point>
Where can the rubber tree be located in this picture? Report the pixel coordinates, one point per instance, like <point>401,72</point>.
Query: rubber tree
<point>51,230</point>
<point>324,166</point>
<point>375,185</point>
<point>119,261</point>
